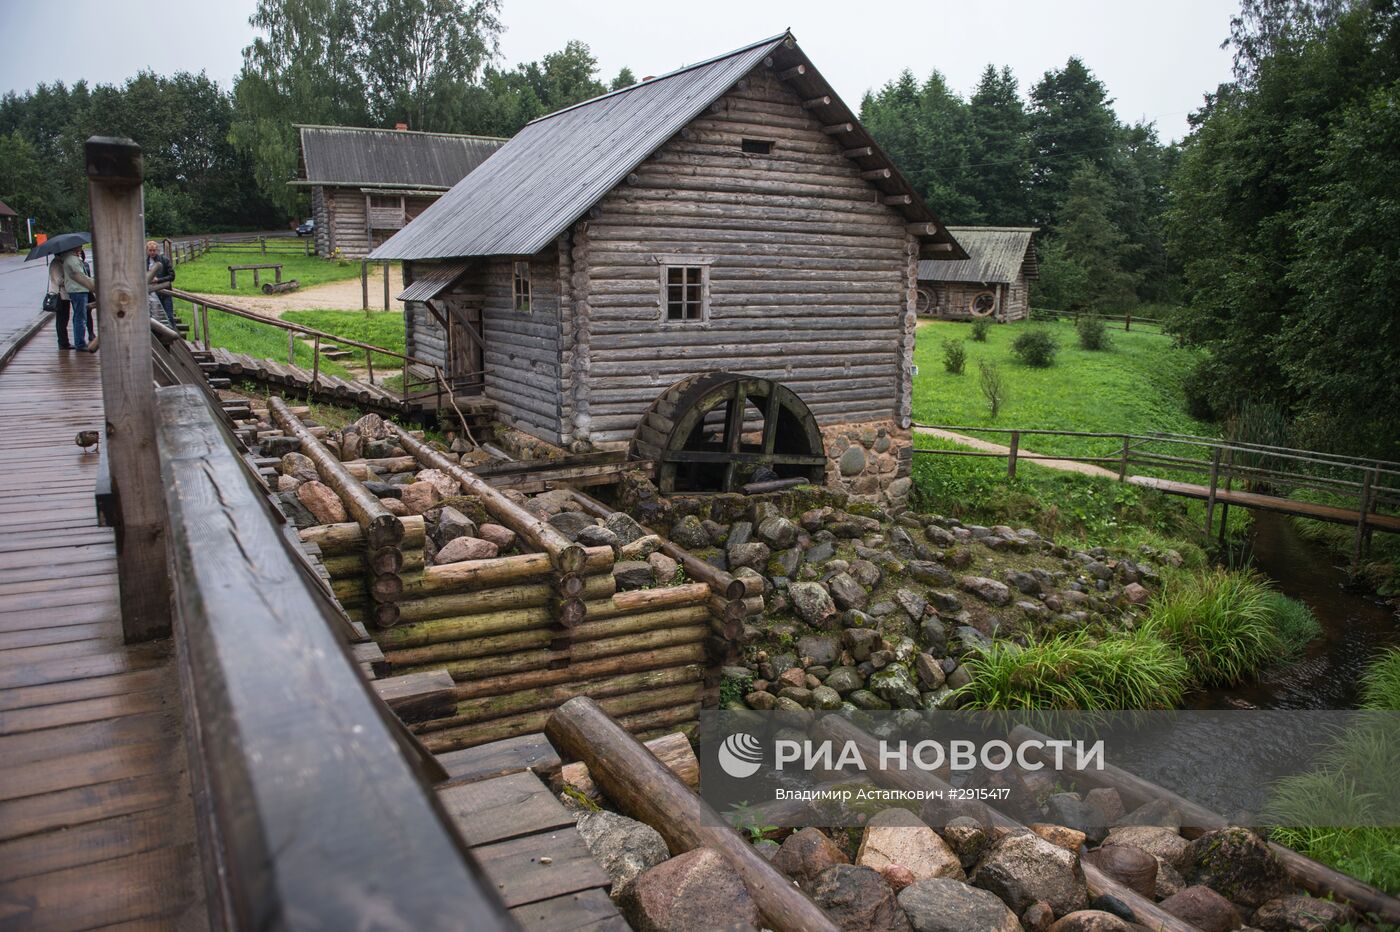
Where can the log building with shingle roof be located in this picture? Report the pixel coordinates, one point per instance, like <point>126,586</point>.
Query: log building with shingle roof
<point>993,281</point>
<point>732,216</point>
<point>367,184</point>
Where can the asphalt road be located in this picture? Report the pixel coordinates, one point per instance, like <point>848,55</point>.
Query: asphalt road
<point>21,294</point>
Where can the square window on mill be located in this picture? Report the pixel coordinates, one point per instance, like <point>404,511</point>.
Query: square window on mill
<point>757,146</point>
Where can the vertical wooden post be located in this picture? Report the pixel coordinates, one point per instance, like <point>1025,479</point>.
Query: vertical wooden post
<point>262,242</point>
<point>1229,485</point>
<point>1123,461</point>
<point>369,364</point>
<point>1365,505</point>
<point>232,278</point>
<point>315,362</point>
<point>291,347</point>
<point>364,285</point>
<point>1214,480</point>
<point>1127,320</point>
<point>114,171</point>
<point>1011,459</point>
<point>386,286</point>
<point>204,325</point>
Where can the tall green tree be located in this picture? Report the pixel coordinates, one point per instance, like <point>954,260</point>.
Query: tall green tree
<point>1000,149</point>
<point>1093,242</point>
<point>303,67</point>
<point>419,55</point>
<point>1072,123</point>
<point>1281,216</point>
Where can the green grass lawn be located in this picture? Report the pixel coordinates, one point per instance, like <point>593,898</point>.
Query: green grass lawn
<point>209,273</point>
<point>239,335</point>
<point>1134,387</point>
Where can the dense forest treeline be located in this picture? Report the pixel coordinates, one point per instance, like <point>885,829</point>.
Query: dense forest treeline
<point>1273,225</point>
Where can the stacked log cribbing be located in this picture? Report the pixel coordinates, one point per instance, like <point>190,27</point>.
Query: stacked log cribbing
<point>383,532</point>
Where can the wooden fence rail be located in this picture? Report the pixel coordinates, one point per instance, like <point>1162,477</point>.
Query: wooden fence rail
<point>433,383</point>
<point>312,811</point>
<point>1272,469</point>
<point>1126,318</point>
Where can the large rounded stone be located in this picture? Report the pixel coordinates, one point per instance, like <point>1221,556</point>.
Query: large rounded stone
<point>466,548</point>
<point>320,499</point>
<point>859,900</point>
<point>806,853</point>
<point>623,847</point>
<point>1023,868</point>
<point>948,905</point>
<point>696,890</point>
<point>299,466</point>
<point>1203,908</point>
<point>847,592</point>
<point>690,533</point>
<point>897,836</point>
<point>852,462</point>
<point>1091,920</point>
<point>1238,864</point>
<point>812,602</point>
<point>1303,914</point>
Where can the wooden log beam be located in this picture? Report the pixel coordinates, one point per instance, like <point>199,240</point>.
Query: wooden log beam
<point>481,574</point>
<point>788,74</point>
<point>349,538</point>
<point>485,708</point>
<point>839,129</point>
<point>114,170</point>
<point>923,229</point>
<point>816,102</point>
<point>542,657</point>
<point>877,174</point>
<point>381,529</point>
<point>673,750</point>
<point>897,200</point>
<point>675,656</point>
<point>645,789</point>
<point>718,580</point>
<point>456,604</point>
<point>859,152</point>
<point>567,556</point>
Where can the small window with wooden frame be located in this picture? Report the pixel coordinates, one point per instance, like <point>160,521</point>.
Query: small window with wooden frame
<point>685,289</point>
<point>756,146</point>
<point>520,286</point>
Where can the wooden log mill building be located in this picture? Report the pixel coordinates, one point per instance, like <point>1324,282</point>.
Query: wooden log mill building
<point>367,184</point>
<point>994,281</point>
<point>730,217</point>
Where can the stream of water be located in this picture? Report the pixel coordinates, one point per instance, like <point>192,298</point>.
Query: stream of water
<point>1356,626</point>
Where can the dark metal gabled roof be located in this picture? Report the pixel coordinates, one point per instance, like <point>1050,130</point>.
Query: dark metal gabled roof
<point>432,280</point>
<point>560,165</point>
<point>995,255</point>
<point>6,210</point>
<point>361,157</point>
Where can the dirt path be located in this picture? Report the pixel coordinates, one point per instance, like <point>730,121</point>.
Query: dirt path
<point>335,296</point>
<point>1084,469</point>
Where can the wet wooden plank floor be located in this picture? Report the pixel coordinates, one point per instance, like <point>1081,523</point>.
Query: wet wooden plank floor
<point>96,823</point>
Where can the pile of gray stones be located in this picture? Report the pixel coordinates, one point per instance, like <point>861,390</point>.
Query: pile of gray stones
<point>899,873</point>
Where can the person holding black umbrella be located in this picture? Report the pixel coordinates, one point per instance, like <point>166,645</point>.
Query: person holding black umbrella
<point>56,300</point>
<point>79,285</point>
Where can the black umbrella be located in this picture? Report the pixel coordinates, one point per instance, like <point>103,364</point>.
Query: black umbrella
<point>58,244</point>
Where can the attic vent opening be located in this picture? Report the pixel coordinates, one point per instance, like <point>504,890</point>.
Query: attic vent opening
<point>757,146</point>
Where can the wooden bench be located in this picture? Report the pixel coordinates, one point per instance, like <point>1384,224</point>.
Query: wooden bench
<point>233,271</point>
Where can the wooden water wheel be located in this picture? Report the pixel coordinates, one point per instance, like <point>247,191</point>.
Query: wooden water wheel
<point>709,432</point>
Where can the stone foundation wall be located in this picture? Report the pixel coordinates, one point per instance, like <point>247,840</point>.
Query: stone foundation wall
<point>870,461</point>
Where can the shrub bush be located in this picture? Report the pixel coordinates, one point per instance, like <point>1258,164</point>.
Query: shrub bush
<point>993,386</point>
<point>1036,348</point>
<point>954,356</point>
<point>1093,333</point>
<point>1134,671</point>
<point>1294,623</point>
<point>980,326</point>
<point>1222,622</point>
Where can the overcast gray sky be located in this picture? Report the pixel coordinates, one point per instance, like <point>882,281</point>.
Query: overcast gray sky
<point>1157,59</point>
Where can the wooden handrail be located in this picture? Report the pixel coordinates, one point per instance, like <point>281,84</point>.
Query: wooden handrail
<point>312,814</point>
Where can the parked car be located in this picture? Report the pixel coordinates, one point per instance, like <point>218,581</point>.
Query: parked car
<point>307,228</point>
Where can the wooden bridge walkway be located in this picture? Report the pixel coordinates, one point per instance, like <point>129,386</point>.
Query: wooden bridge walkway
<point>96,822</point>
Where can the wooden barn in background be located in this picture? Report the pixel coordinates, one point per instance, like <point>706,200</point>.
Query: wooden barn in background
<point>367,184</point>
<point>993,281</point>
<point>9,228</point>
<point>730,217</point>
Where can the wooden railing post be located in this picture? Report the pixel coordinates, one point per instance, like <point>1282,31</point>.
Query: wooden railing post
<point>1011,458</point>
<point>1127,320</point>
<point>1367,481</point>
<point>114,171</point>
<point>386,285</point>
<point>1214,483</point>
<point>291,347</point>
<point>204,325</point>
<point>315,364</point>
<point>364,285</point>
<point>1123,461</point>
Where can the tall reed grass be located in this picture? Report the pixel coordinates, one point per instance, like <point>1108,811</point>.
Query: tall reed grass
<point>1223,623</point>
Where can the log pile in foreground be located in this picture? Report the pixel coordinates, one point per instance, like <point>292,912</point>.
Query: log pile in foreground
<point>524,602</point>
